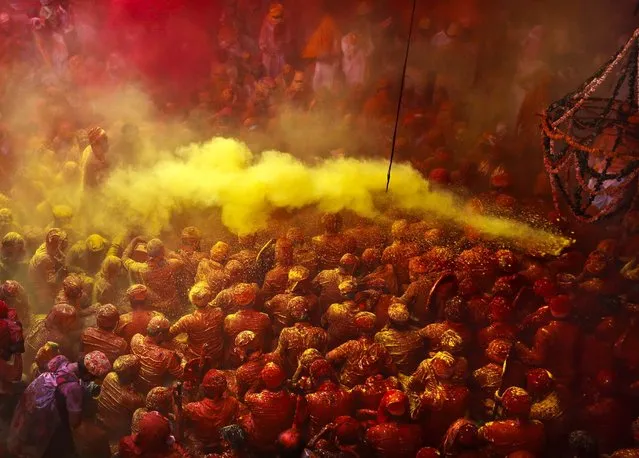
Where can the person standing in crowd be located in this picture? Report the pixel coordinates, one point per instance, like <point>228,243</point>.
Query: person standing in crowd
<point>51,407</point>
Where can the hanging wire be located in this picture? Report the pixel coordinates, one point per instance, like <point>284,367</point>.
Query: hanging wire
<point>401,94</point>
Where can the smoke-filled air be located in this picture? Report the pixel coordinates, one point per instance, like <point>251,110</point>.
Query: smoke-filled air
<point>248,188</point>
<point>319,228</point>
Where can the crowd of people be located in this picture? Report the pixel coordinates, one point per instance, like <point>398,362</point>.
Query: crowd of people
<point>327,336</point>
<point>359,341</point>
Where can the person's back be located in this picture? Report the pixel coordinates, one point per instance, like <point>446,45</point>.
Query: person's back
<point>398,255</point>
<point>12,263</point>
<point>327,285</point>
<point>555,345</point>
<point>190,260</point>
<point>416,297</point>
<point>203,327</point>
<point>154,440</point>
<point>332,244</point>
<point>304,255</point>
<point>340,322</point>
<point>118,399</point>
<point>272,410</point>
<point>107,284</point>
<point>516,431</point>
<point>506,436</point>
<point>209,415</point>
<point>361,358</point>
<point>248,320</point>
<point>394,440</point>
<point>161,279</point>
<point>156,363</point>
<point>298,288</point>
<point>405,347</point>
<point>55,327</point>
<point>86,256</point>
<point>246,257</point>
<point>331,247</point>
<point>102,337</point>
<point>277,309</point>
<point>159,275</point>
<point>231,299</point>
<point>108,342</point>
<point>42,273</point>
<point>135,322</point>
<point>328,400</point>
<point>296,339</point>
<point>275,281</point>
<point>205,418</point>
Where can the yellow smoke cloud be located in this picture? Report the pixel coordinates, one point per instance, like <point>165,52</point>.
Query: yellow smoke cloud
<point>224,174</point>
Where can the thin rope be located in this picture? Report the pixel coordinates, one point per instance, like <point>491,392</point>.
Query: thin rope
<point>401,94</point>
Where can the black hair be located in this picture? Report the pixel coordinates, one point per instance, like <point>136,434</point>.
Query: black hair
<point>234,435</point>
<point>82,368</point>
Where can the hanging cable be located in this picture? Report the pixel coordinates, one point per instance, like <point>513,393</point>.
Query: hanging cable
<point>401,94</point>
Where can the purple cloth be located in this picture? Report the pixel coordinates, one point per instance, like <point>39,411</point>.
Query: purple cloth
<point>37,417</point>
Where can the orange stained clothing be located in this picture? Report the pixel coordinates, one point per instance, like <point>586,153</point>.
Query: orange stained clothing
<point>157,364</point>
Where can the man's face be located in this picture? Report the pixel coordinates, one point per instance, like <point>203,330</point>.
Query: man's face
<point>298,82</point>
<point>228,95</point>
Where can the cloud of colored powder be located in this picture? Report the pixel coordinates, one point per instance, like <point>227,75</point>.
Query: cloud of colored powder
<point>248,188</point>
